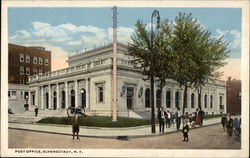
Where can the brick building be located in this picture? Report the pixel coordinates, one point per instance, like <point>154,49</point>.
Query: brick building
<point>24,62</point>
<point>27,61</point>
<point>233,96</point>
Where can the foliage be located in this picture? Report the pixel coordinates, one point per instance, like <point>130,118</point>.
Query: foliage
<point>97,121</point>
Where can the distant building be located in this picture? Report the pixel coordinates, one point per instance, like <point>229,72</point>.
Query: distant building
<point>24,62</point>
<point>233,96</point>
<point>27,61</point>
<point>87,82</point>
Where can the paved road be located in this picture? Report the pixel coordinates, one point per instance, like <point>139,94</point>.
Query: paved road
<point>211,137</point>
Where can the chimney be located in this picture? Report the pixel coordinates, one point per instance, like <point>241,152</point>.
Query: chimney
<point>229,78</point>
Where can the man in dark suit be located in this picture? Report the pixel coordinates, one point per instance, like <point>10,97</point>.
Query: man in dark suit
<point>161,116</point>
<point>201,116</point>
<point>178,118</point>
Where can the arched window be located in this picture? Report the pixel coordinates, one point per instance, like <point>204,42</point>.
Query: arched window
<point>211,101</point>
<point>205,101</point>
<point>147,98</point>
<point>158,98</point>
<point>47,100</point>
<point>192,100</point>
<point>177,102</point>
<point>72,98</point>
<point>63,100</point>
<point>54,100</point>
<point>83,98</point>
<point>168,99</point>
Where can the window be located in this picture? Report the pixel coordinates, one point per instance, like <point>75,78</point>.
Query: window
<point>100,94</point>
<point>27,58</point>
<point>27,71</point>
<point>21,57</point>
<point>192,100</point>
<point>40,60</point>
<point>35,60</point>
<point>205,101</point>
<point>147,98</point>
<point>168,99</point>
<point>97,63</point>
<point>34,71</point>
<point>12,94</point>
<point>21,94</point>
<point>211,101</point>
<point>158,98</point>
<point>177,103</point>
<point>40,71</point>
<point>21,70</point>
<point>221,101</point>
<point>88,65</point>
<point>46,62</point>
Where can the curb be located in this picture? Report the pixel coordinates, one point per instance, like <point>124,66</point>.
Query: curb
<point>119,137</point>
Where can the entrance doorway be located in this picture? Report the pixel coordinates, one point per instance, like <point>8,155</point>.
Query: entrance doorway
<point>47,100</point>
<point>130,95</point>
<point>63,99</point>
<point>72,98</point>
<point>83,97</point>
<point>54,101</point>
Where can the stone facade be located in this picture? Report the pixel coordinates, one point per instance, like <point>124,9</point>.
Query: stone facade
<point>88,82</point>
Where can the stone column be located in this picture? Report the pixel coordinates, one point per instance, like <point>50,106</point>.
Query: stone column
<point>37,96</point>
<point>30,99</point>
<point>42,105</point>
<point>50,97</point>
<point>76,93</point>
<point>87,92</point>
<point>66,94</point>
<point>57,96</point>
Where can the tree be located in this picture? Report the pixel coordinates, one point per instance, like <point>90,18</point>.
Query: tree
<point>198,55</point>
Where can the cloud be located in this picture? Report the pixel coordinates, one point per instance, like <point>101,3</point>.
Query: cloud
<point>69,37</point>
<point>232,36</point>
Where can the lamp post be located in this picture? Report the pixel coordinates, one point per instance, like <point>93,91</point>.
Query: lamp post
<point>152,68</point>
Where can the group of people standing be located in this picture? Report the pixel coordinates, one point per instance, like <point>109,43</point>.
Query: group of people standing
<point>171,118</point>
<point>231,125</point>
<point>168,118</point>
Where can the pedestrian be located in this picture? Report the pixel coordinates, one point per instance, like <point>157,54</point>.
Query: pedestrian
<point>178,118</point>
<point>168,118</point>
<point>161,116</point>
<point>185,131</point>
<point>36,111</point>
<point>229,125</point>
<point>75,125</point>
<point>201,116</point>
<point>236,127</point>
<point>223,122</point>
<point>172,119</point>
<point>197,117</point>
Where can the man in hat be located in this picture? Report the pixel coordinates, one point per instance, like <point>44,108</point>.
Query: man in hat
<point>161,116</point>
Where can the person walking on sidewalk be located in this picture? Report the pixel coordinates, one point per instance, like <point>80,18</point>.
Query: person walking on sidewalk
<point>75,125</point>
<point>223,122</point>
<point>185,131</point>
<point>178,118</point>
<point>36,111</point>
<point>229,125</point>
<point>168,119</point>
<point>201,116</point>
<point>161,116</point>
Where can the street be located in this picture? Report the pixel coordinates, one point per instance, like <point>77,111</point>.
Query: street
<point>210,137</point>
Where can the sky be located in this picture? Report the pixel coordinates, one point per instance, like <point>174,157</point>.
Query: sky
<point>65,31</point>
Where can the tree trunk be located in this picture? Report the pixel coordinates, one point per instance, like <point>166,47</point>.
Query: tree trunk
<point>184,103</point>
<point>199,98</point>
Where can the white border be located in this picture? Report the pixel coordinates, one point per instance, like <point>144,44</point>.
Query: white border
<point>143,152</point>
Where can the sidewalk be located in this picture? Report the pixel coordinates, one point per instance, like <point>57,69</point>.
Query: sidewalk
<point>99,132</point>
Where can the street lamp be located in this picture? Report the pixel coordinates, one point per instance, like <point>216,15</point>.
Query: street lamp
<point>152,69</point>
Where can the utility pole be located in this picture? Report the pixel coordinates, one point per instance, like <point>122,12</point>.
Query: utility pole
<point>114,79</point>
